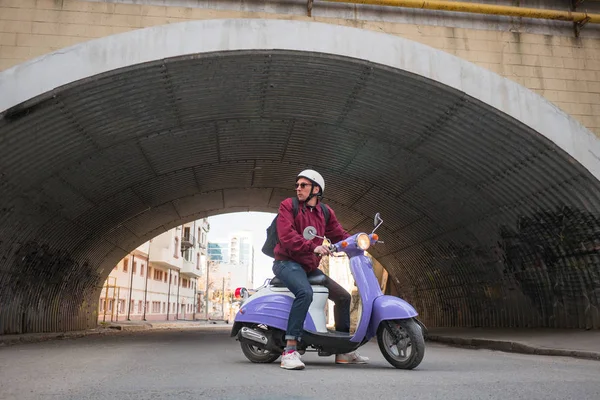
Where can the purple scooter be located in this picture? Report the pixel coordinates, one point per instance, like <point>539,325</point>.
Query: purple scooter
<point>261,322</point>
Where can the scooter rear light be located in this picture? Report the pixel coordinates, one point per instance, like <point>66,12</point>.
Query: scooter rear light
<point>238,293</point>
<point>344,244</point>
<point>375,237</point>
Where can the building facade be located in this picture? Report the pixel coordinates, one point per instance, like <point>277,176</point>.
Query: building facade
<point>230,265</point>
<point>161,279</point>
<point>235,255</point>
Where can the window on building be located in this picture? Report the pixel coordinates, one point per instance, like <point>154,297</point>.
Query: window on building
<point>142,266</point>
<point>121,306</point>
<point>198,261</point>
<point>164,307</point>
<point>176,250</point>
<point>186,233</point>
<point>159,274</point>
<point>125,264</point>
<point>132,306</point>
<point>140,307</point>
<point>110,305</point>
<point>165,280</point>
<point>147,306</point>
<point>134,268</point>
<point>101,304</point>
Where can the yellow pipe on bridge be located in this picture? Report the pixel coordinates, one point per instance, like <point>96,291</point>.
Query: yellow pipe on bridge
<point>477,8</point>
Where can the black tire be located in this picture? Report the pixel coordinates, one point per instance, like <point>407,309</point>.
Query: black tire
<point>257,355</point>
<point>414,341</point>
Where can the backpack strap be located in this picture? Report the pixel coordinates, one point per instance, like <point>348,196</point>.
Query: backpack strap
<point>325,213</point>
<point>295,206</point>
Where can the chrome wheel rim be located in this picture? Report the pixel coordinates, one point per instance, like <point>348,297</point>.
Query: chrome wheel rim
<point>257,351</point>
<point>399,350</point>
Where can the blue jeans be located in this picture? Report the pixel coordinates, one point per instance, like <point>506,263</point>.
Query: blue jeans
<point>295,279</point>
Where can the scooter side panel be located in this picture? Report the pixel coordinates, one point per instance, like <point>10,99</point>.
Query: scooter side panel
<point>369,290</point>
<point>272,310</point>
<point>387,308</point>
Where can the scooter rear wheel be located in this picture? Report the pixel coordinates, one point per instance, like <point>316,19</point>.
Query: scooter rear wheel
<point>401,343</point>
<point>257,355</point>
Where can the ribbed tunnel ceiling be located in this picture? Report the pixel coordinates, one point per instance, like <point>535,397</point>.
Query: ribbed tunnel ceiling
<point>486,222</point>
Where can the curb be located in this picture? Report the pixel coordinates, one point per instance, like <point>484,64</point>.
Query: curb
<point>512,347</point>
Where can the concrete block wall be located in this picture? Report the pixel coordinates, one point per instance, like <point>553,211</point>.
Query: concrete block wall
<point>564,69</point>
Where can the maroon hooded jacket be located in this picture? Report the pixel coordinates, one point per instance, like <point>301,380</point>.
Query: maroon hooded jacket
<point>292,245</point>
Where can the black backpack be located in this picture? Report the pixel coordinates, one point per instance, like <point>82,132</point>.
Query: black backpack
<point>272,237</point>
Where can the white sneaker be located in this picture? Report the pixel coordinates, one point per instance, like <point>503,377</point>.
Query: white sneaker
<point>291,361</point>
<point>350,358</point>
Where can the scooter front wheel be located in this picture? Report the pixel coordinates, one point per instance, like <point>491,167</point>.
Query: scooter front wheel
<point>401,343</point>
<point>258,355</point>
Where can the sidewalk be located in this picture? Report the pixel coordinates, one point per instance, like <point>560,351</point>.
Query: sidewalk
<point>112,328</point>
<point>552,342</point>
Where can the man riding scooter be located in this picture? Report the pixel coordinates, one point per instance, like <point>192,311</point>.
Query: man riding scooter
<point>296,259</point>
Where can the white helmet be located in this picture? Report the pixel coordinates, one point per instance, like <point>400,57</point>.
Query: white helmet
<point>314,177</point>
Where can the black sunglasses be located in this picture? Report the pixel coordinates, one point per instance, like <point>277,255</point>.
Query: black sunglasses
<point>302,185</point>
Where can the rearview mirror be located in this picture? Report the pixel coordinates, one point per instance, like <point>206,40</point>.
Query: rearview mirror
<point>310,232</point>
<point>376,219</point>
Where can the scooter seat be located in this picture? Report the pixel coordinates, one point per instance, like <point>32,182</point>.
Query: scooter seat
<point>319,280</point>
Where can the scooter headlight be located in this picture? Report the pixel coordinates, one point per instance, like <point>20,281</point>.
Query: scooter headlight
<point>363,242</point>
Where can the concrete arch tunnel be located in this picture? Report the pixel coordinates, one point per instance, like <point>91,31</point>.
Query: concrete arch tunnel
<point>489,193</point>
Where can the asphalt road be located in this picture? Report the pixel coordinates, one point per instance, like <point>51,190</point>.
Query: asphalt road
<point>206,363</point>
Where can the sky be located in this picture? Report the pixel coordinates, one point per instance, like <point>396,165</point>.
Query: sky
<point>255,222</point>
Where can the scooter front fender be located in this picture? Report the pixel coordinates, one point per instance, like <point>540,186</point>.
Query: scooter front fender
<point>387,308</point>
<point>272,310</point>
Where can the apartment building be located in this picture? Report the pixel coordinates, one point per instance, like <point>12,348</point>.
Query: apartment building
<point>235,255</point>
<point>161,279</point>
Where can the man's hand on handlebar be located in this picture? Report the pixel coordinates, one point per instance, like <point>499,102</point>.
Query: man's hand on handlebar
<point>322,250</point>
